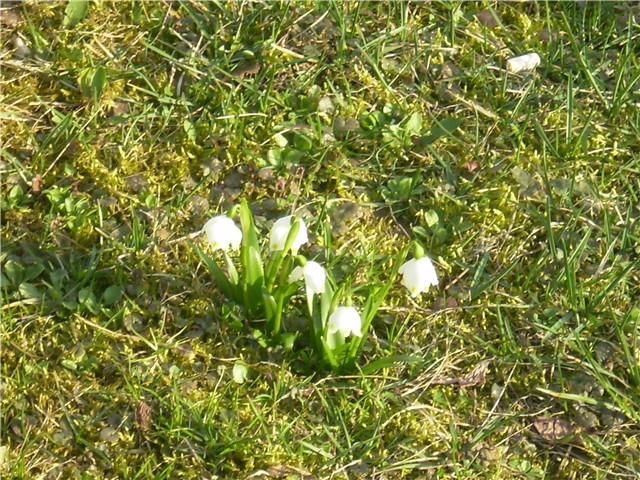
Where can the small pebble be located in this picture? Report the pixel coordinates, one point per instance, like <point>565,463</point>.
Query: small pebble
<point>496,391</point>
<point>10,17</point>
<point>522,63</point>
<point>486,18</point>
<point>109,435</point>
<point>136,183</point>
<point>20,48</point>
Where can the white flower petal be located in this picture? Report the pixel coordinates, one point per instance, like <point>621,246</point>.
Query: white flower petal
<point>346,320</point>
<point>313,274</point>
<point>418,275</point>
<point>296,275</point>
<point>280,232</point>
<point>223,233</point>
<point>314,277</point>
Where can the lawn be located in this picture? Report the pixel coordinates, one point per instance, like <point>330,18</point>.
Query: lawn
<point>381,125</point>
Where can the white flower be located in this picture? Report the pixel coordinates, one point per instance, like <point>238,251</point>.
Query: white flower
<point>314,276</point>
<point>280,232</point>
<point>528,61</point>
<point>346,320</point>
<point>222,233</point>
<point>418,275</point>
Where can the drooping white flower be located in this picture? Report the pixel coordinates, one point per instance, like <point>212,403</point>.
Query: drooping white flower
<point>223,233</point>
<point>313,274</point>
<point>528,61</point>
<point>280,232</point>
<point>418,274</point>
<point>345,320</point>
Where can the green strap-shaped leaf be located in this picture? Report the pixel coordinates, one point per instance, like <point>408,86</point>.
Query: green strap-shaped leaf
<point>270,305</point>
<point>231,269</point>
<point>219,276</point>
<point>277,258</point>
<point>327,354</point>
<point>252,265</point>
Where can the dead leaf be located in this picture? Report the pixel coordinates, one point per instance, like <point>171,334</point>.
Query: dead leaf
<point>246,70</point>
<point>143,416</point>
<point>475,377</point>
<point>449,70</point>
<point>444,381</point>
<point>546,35</point>
<point>280,471</point>
<point>486,18</point>
<point>471,166</point>
<point>36,184</point>
<point>119,108</point>
<point>444,303</point>
<point>553,429</point>
<point>10,17</point>
<point>70,149</point>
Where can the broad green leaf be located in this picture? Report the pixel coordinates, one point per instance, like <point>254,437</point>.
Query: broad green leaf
<point>414,124</point>
<point>69,364</point>
<point>33,272</point>
<point>190,129</point>
<point>14,271</point>
<point>29,291</point>
<point>92,82</point>
<point>75,12</point>
<point>16,193</point>
<point>373,121</point>
<point>280,140</point>
<point>431,218</point>
<point>292,156</point>
<point>84,294</point>
<point>71,304</point>
<point>112,295</point>
<point>287,340</point>
<point>98,82</point>
<point>444,127</point>
<point>87,299</point>
<point>302,142</point>
<point>84,81</point>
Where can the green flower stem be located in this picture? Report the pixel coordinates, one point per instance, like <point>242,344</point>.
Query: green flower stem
<point>231,269</point>
<point>272,268</point>
<point>279,255</point>
<point>277,320</point>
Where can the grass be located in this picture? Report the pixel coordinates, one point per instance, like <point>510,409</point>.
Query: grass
<point>125,131</point>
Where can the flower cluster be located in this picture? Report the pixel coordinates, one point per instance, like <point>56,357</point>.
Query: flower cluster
<point>266,288</point>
